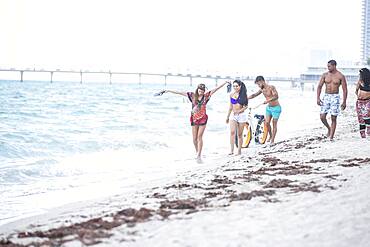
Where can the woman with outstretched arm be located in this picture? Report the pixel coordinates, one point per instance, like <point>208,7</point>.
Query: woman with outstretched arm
<point>198,117</point>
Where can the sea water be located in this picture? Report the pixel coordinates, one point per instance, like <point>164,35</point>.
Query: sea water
<point>65,142</point>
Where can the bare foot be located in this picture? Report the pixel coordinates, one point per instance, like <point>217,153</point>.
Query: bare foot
<point>328,134</point>
<point>363,135</point>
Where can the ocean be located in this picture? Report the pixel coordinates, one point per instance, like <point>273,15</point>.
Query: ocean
<point>66,142</point>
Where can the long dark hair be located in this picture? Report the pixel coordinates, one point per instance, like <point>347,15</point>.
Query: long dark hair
<point>243,98</point>
<point>365,76</point>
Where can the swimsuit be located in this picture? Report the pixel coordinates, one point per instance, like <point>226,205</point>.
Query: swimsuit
<point>365,88</point>
<point>273,111</point>
<point>240,118</point>
<point>234,101</point>
<point>198,113</point>
<point>331,104</point>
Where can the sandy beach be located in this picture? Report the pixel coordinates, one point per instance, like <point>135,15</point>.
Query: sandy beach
<point>118,122</point>
<point>303,191</point>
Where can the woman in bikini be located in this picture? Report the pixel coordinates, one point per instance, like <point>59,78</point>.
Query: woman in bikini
<point>238,105</point>
<point>363,102</point>
<point>198,117</point>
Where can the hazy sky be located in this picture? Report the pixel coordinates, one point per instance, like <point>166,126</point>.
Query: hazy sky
<point>246,36</point>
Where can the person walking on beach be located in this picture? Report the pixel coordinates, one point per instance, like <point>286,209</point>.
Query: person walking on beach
<point>273,108</point>
<point>238,105</point>
<point>330,103</point>
<point>198,117</point>
<point>363,102</point>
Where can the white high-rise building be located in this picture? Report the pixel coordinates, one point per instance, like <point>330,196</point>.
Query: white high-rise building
<point>365,46</point>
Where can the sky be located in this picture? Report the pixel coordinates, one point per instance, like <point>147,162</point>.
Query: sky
<point>247,37</point>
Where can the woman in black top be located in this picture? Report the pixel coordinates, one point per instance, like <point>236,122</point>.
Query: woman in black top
<point>363,102</point>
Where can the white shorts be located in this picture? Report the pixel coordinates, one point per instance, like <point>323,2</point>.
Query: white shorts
<point>240,118</point>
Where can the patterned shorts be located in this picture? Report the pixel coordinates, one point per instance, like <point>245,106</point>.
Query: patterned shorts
<point>331,104</point>
<point>363,110</point>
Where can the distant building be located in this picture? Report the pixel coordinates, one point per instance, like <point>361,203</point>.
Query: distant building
<point>365,36</point>
<point>318,61</point>
<point>349,69</point>
<point>313,74</point>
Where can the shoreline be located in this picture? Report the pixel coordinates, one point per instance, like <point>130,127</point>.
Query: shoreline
<point>298,192</point>
<point>238,200</point>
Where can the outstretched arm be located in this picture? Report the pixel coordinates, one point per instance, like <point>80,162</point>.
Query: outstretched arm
<point>176,92</point>
<point>319,87</point>
<point>255,94</point>
<point>217,88</point>
<point>345,93</point>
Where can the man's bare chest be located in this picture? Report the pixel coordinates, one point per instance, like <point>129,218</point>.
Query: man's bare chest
<point>332,80</point>
<point>267,92</point>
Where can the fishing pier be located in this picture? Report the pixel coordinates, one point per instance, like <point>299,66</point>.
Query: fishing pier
<point>110,74</point>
